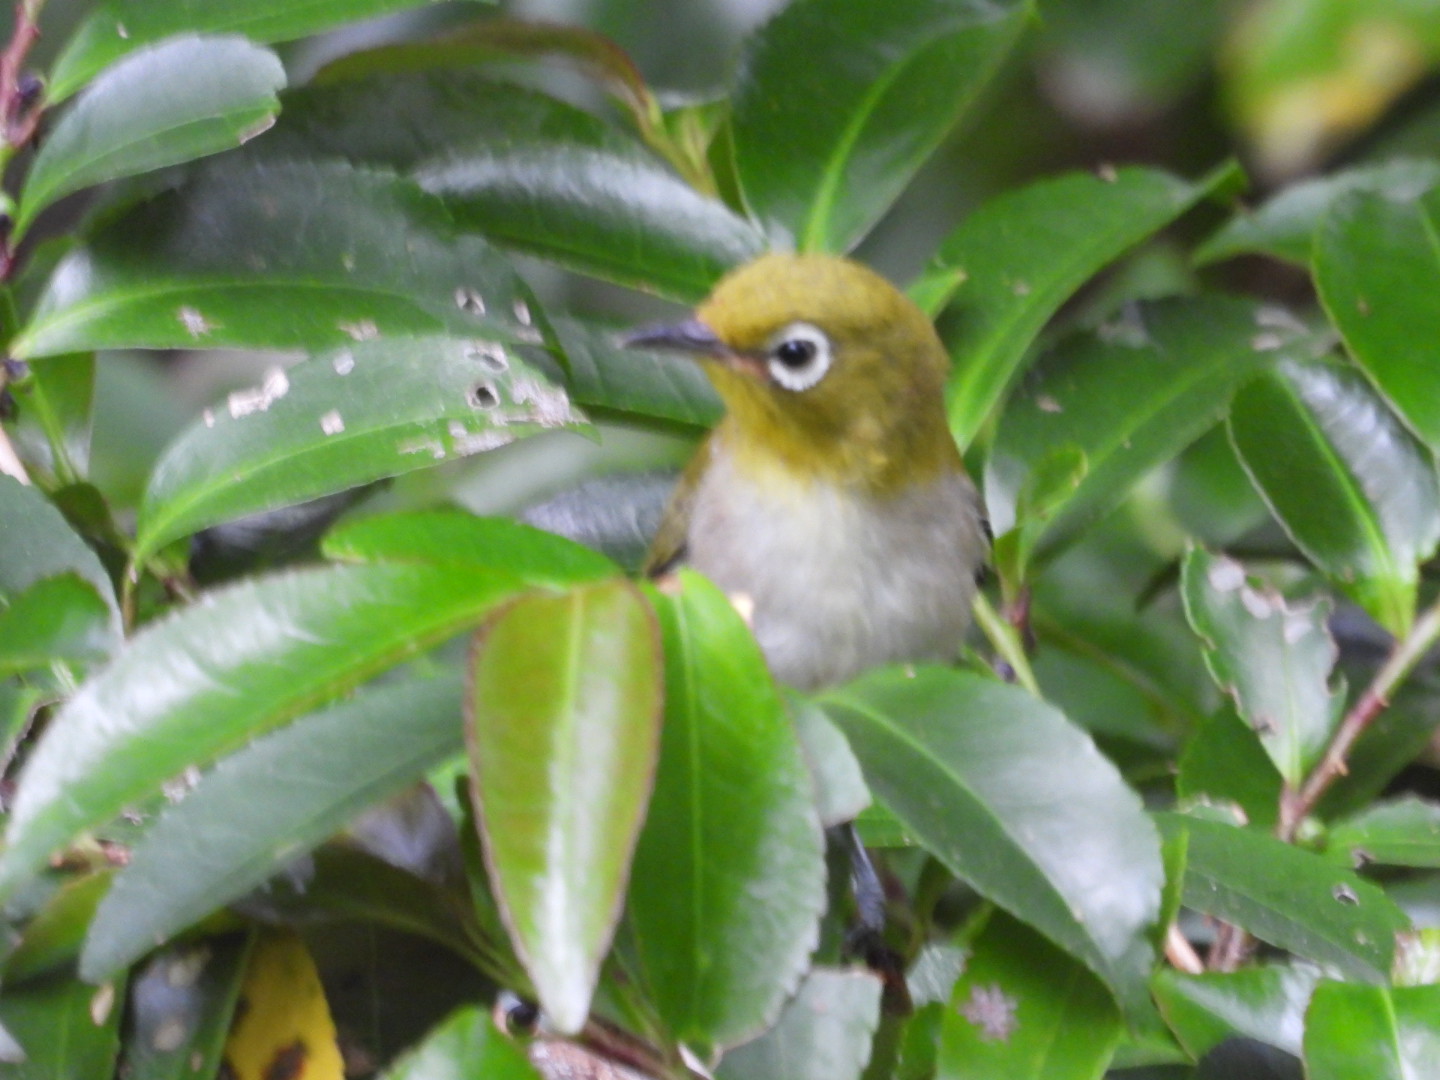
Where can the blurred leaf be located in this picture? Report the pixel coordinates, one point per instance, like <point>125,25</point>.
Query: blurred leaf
<point>729,877</point>
<point>371,410</point>
<point>1271,656</point>
<point>39,543</point>
<point>840,791</point>
<point>116,27</point>
<point>1265,1002</point>
<point>283,1021</point>
<point>174,101</point>
<point>1351,486</point>
<point>1285,224</point>
<point>1128,398</point>
<point>838,105</point>
<point>1377,271</point>
<point>65,1027</point>
<point>1287,897</point>
<point>1025,1011</point>
<point>1048,486</point>
<point>56,405</point>
<point>1224,761</point>
<point>823,1033</point>
<point>563,728</point>
<point>603,374</point>
<point>265,806</point>
<point>220,672</point>
<point>57,620</point>
<point>1400,832</point>
<point>17,708</point>
<point>1012,798</point>
<point>466,1045</point>
<point>295,255</point>
<point>1371,1031</point>
<point>1025,253</point>
<point>52,938</point>
<point>455,538</point>
<point>181,1005</point>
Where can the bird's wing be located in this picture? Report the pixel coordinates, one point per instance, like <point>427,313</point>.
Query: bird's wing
<point>668,548</point>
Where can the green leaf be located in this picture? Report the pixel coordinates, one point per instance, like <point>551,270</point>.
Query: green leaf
<point>202,682</point>
<point>116,27</point>
<point>1266,1003</point>
<point>1012,798</point>
<point>181,1005</point>
<point>563,727</point>
<point>823,1033</point>
<point>1024,254</point>
<point>266,805</point>
<point>840,791</point>
<point>1372,1031</point>
<point>60,619</point>
<point>1048,485</point>
<point>1272,656</point>
<point>1377,269</point>
<point>1224,761</point>
<point>66,1028</point>
<point>1025,1011</point>
<point>39,543</point>
<point>163,104</point>
<point>1128,398</point>
<point>455,538</point>
<point>466,1044</point>
<point>295,255</point>
<point>604,374</point>
<point>345,418</point>
<point>1400,832</point>
<point>1349,484</point>
<point>51,939</point>
<point>838,105</point>
<point>1284,225</point>
<point>729,876</point>
<point>1288,897</point>
<point>54,426</point>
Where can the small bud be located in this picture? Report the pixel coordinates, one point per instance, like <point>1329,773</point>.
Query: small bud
<point>30,87</point>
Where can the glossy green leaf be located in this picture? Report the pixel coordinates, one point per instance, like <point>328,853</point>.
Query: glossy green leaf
<point>54,427</point>
<point>1284,225</point>
<point>1265,1002</point>
<point>530,171</point>
<point>729,876</point>
<point>1272,656</point>
<point>1024,254</point>
<point>1377,269</point>
<point>603,374</point>
<point>345,418</point>
<point>1012,798</point>
<point>66,1028</point>
<point>1127,398</point>
<point>1224,761</point>
<point>51,939</point>
<point>116,27</point>
<point>202,682</point>
<point>266,805</point>
<point>181,1005</point>
<point>823,1033</point>
<point>563,728</point>
<point>1025,1011</point>
<point>1401,832</point>
<point>1372,1031</point>
<point>451,537</point>
<point>1351,486</point>
<point>39,543</point>
<point>163,104</point>
<point>838,104</point>
<point>466,1044</point>
<point>291,255</point>
<point>1288,897</point>
<point>57,620</point>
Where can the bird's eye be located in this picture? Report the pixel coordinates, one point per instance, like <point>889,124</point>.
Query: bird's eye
<point>799,356</point>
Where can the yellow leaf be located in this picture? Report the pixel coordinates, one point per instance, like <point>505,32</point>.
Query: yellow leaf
<point>282,1028</point>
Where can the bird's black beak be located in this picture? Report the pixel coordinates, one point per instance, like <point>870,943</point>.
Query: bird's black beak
<point>691,336</point>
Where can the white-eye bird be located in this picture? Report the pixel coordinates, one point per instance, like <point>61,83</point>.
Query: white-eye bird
<point>831,494</point>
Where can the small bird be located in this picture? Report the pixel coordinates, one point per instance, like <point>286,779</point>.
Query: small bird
<point>831,495</point>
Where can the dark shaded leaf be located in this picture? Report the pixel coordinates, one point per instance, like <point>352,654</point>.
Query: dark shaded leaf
<point>1224,761</point>
<point>181,1005</point>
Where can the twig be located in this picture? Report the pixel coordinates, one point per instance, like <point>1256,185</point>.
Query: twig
<point>1005,639</point>
<point>1181,953</point>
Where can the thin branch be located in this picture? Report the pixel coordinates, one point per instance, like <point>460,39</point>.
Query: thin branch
<point>1181,953</point>
<point>1005,640</point>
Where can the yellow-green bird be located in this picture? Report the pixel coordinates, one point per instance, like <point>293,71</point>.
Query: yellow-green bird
<point>831,494</point>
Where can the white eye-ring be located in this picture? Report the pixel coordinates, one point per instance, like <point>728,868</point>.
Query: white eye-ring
<point>798,356</point>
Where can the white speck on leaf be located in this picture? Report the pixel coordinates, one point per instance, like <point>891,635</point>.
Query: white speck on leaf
<point>102,1003</point>
<point>123,31</point>
<point>360,330</point>
<point>348,260</point>
<point>522,313</point>
<point>1021,288</point>
<point>244,402</point>
<point>549,405</point>
<point>1107,174</point>
<point>344,362</point>
<point>1266,342</point>
<point>480,441</point>
<point>469,301</point>
<point>332,423</point>
<point>169,1035</point>
<point>196,325</point>
<point>422,446</point>
<point>1226,575</point>
<point>1046,403</point>
<point>209,417</point>
<point>186,969</point>
<point>992,1011</point>
<point>1258,604</point>
<point>489,353</point>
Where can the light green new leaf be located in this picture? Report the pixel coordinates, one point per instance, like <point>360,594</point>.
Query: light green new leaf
<point>839,104</point>
<point>1012,798</point>
<point>1377,268</point>
<point>464,1046</point>
<point>115,27</point>
<point>171,102</point>
<point>1401,832</point>
<point>563,728</point>
<point>1374,1032</point>
<point>1273,657</point>
<point>345,418</point>
<point>1349,483</point>
<point>1024,254</point>
<point>57,620</point>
